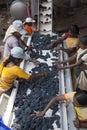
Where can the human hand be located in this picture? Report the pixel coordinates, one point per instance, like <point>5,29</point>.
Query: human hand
<point>38,114</point>
<point>45,74</point>
<point>49,47</point>
<point>83,66</point>
<point>59,67</point>
<point>36,62</point>
<point>57,62</point>
<point>58,48</point>
<point>76,122</point>
<point>30,47</point>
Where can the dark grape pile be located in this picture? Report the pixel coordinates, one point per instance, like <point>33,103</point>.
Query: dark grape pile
<point>42,91</point>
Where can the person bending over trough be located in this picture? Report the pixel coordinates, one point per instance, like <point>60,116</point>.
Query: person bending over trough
<point>70,37</point>
<point>79,100</point>
<point>72,42</point>
<point>10,70</point>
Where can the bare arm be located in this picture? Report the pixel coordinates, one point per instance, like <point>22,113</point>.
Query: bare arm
<point>80,124</point>
<point>35,77</point>
<point>70,59</point>
<point>68,67</point>
<point>24,45</point>
<point>83,124</point>
<point>68,50</point>
<point>54,44</point>
<point>50,104</point>
<point>53,101</point>
<point>36,62</point>
<point>83,66</point>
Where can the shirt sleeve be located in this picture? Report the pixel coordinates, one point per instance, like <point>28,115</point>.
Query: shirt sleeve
<point>66,35</point>
<point>81,61</point>
<point>2,65</point>
<point>84,58</point>
<point>69,96</point>
<point>74,45</point>
<point>21,73</point>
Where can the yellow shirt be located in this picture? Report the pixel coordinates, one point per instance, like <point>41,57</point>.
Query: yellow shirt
<point>9,74</point>
<point>72,42</point>
<point>81,111</point>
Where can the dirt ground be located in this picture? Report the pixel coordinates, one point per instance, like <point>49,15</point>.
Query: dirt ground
<point>62,17</point>
<point>4,21</point>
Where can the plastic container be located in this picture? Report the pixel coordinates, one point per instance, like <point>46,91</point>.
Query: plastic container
<point>2,125</point>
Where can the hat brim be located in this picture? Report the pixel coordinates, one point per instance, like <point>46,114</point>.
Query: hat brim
<point>33,21</point>
<point>23,56</point>
<point>22,32</point>
<point>26,57</point>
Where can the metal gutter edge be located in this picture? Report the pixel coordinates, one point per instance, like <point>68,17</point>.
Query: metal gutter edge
<point>10,104</point>
<point>69,87</point>
<point>64,122</point>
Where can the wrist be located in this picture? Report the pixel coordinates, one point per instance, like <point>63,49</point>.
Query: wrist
<point>43,112</point>
<point>79,124</point>
<point>42,75</point>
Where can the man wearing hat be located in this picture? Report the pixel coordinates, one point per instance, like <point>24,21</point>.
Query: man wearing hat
<point>29,25</point>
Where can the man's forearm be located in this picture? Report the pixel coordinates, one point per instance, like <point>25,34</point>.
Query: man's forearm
<point>83,124</point>
<point>70,66</point>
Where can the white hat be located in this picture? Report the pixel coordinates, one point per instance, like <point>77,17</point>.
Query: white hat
<point>18,52</point>
<point>18,25</point>
<point>29,20</point>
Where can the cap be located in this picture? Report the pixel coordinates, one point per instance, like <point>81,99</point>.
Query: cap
<point>18,25</point>
<point>29,20</point>
<point>18,52</point>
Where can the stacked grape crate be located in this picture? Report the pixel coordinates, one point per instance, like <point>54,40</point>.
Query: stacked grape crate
<point>45,16</point>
